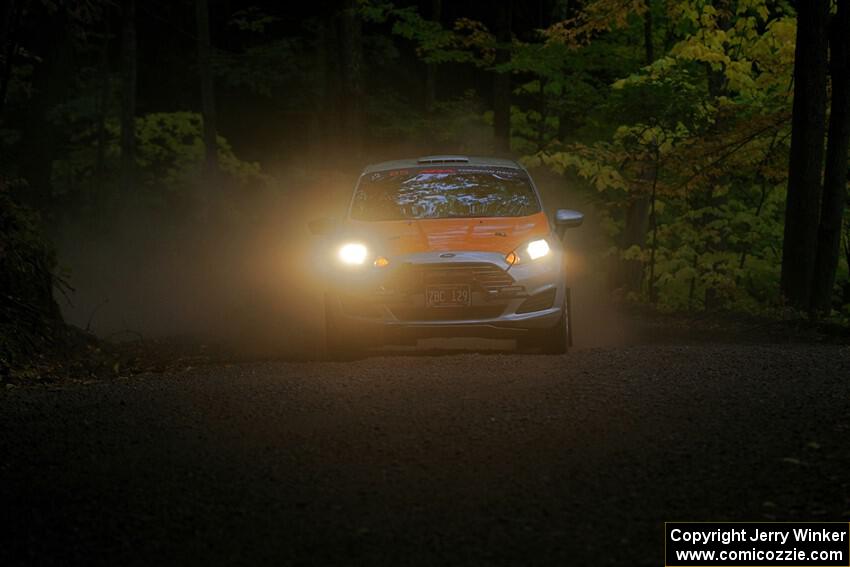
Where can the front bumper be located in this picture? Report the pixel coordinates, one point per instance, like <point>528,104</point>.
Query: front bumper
<point>389,305</point>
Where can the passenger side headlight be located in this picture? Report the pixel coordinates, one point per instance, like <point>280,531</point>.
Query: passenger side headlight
<point>537,249</point>
<point>534,250</point>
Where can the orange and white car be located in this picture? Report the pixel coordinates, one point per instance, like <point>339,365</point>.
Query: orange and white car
<point>446,246</point>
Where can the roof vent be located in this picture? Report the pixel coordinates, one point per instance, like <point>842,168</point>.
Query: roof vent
<point>443,159</point>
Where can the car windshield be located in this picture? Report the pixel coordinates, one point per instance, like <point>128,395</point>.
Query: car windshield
<point>444,193</point>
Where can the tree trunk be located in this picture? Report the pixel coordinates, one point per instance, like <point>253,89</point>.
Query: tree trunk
<point>629,273</point>
<point>329,103</point>
<point>351,57</point>
<point>648,47</point>
<point>845,296</point>
<point>502,81</point>
<point>202,20</point>
<point>128,97</point>
<point>835,173</point>
<point>102,111</point>
<point>653,220</point>
<point>717,81</point>
<point>318,129</point>
<point>52,80</point>
<point>802,208</point>
<point>8,46</point>
<point>431,70</point>
<point>565,11</point>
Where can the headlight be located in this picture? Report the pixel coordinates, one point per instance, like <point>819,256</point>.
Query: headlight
<point>353,253</point>
<point>537,249</point>
<point>534,250</point>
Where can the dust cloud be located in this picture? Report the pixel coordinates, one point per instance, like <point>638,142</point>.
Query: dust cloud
<point>243,277</point>
<point>597,320</point>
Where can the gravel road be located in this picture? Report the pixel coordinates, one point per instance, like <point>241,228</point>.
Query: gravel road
<point>465,459</point>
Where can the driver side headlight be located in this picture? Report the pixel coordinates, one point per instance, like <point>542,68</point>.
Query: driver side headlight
<point>529,252</point>
<point>353,253</point>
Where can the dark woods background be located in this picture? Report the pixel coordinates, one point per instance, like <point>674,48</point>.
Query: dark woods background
<point>159,160</point>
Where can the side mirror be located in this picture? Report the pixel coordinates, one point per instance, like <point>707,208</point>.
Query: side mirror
<point>322,226</point>
<point>567,218</point>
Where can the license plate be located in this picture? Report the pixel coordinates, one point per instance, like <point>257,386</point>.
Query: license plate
<point>447,295</point>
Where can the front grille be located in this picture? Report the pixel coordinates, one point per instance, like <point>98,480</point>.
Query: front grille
<point>538,302</point>
<point>407,313</point>
<point>481,276</point>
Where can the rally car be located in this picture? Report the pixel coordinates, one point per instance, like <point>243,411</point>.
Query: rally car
<point>446,246</point>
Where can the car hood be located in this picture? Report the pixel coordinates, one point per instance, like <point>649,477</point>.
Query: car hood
<point>484,234</point>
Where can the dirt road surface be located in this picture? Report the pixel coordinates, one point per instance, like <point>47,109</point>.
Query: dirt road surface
<point>465,459</point>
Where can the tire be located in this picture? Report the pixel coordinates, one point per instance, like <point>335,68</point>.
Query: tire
<point>553,340</point>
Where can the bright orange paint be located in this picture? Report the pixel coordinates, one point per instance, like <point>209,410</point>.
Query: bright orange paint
<point>486,234</point>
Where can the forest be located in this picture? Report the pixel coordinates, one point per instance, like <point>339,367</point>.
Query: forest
<point>710,138</point>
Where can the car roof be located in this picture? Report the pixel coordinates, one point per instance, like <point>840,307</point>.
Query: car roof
<point>430,161</point>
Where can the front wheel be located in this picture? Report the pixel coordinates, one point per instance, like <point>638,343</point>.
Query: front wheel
<point>553,340</point>
<point>547,341</point>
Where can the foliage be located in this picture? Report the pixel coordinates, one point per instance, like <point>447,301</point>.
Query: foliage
<point>467,41</point>
<point>169,157</point>
<point>702,133</point>
<point>29,317</point>
<point>170,152</point>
